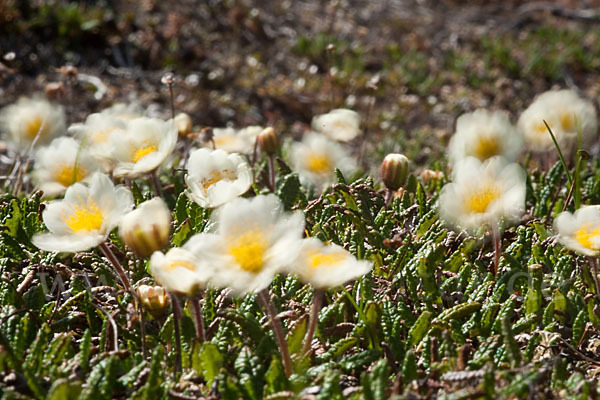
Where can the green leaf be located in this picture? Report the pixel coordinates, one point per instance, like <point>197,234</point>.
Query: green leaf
<point>207,360</point>
<point>419,328</point>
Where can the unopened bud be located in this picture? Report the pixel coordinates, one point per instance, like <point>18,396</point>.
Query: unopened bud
<point>147,228</point>
<point>154,298</point>
<point>268,141</point>
<point>183,122</point>
<point>394,171</point>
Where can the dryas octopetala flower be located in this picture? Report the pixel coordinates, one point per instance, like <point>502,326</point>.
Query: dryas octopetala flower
<point>184,124</point>
<point>580,231</point>
<point>146,145</point>
<point>30,118</point>
<point>341,124</point>
<point>60,164</point>
<point>327,266</point>
<point>254,240</point>
<point>484,134</point>
<point>96,135</point>
<point>483,193</point>
<point>215,177</point>
<point>147,228</point>
<point>316,157</point>
<point>85,217</point>
<point>122,111</point>
<point>181,269</point>
<point>235,141</point>
<point>565,112</point>
<point>154,298</point>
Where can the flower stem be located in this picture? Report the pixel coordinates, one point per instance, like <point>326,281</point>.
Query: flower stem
<point>497,246</point>
<point>271,173</point>
<point>594,265</point>
<point>117,265</point>
<point>389,195</point>
<point>176,319</point>
<point>198,318</point>
<point>263,297</point>
<point>142,328</point>
<point>314,317</point>
<point>156,183</point>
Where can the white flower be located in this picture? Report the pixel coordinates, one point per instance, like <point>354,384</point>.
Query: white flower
<point>181,269</point>
<point>124,112</point>
<point>231,141</point>
<point>147,228</point>
<point>341,124</point>
<point>60,164</point>
<point>215,177</point>
<point>485,134</point>
<point>565,112</point>
<point>146,145</point>
<point>327,266</point>
<point>580,231</point>
<point>255,240</point>
<point>96,135</point>
<point>483,194</point>
<point>85,217</point>
<point>154,298</point>
<point>30,116</point>
<point>316,158</point>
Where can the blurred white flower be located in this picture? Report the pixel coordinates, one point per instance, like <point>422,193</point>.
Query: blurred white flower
<point>483,193</point>
<point>580,231</point>
<point>182,269</point>
<point>235,141</point>
<point>255,240</point>
<point>146,145</point>
<point>96,136</point>
<point>30,116</point>
<point>124,112</point>
<point>485,134</point>
<point>565,112</point>
<point>215,177</point>
<point>60,164</point>
<point>341,124</point>
<point>327,266</point>
<point>147,228</point>
<point>316,157</point>
<point>85,217</point>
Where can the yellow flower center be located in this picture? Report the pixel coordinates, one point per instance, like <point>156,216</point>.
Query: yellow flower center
<point>318,260</point>
<point>67,174</point>
<point>217,176</point>
<point>486,147</point>
<point>249,250</point>
<point>567,122</point>
<point>479,200</point>
<point>33,126</point>
<point>319,163</point>
<point>181,264</point>
<point>86,217</point>
<point>143,151</point>
<point>541,127</point>
<point>588,236</point>
<point>223,140</point>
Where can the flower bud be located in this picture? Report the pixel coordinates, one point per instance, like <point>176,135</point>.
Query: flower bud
<point>183,122</point>
<point>394,171</point>
<point>154,298</point>
<point>268,141</point>
<point>147,228</point>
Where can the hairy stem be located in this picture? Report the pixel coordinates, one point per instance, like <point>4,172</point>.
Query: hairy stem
<point>497,246</point>
<point>176,321</point>
<point>314,317</point>
<point>117,265</point>
<point>594,265</point>
<point>263,297</point>
<point>198,318</point>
